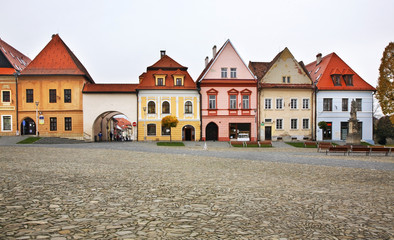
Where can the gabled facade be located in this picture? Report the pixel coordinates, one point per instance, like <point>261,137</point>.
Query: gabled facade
<point>337,85</point>
<point>11,63</point>
<point>286,98</point>
<point>166,88</point>
<point>50,93</point>
<point>228,97</point>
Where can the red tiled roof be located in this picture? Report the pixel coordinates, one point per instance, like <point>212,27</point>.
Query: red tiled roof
<point>56,59</point>
<point>169,67</point>
<point>110,88</point>
<point>259,69</point>
<point>16,59</point>
<point>333,64</point>
<point>7,71</point>
<point>123,123</point>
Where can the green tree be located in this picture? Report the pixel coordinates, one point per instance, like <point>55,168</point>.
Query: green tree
<point>169,122</point>
<point>384,129</point>
<point>322,125</point>
<point>385,88</point>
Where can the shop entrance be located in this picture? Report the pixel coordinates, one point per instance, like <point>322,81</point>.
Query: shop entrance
<point>211,132</point>
<point>28,127</point>
<point>327,134</point>
<point>239,131</point>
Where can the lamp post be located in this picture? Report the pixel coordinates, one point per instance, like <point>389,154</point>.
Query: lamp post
<point>37,102</point>
<point>144,123</point>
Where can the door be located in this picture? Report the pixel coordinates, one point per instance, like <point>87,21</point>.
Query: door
<point>344,130</point>
<point>188,133</point>
<point>28,127</point>
<point>211,132</point>
<point>327,134</point>
<point>268,132</point>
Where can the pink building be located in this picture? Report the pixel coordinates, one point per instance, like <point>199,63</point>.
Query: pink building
<point>228,97</point>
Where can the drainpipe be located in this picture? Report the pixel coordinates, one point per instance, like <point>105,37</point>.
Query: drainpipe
<point>315,93</point>
<point>199,93</point>
<point>17,73</point>
<point>137,115</point>
<point>313,110</point>
<point>258,111</point>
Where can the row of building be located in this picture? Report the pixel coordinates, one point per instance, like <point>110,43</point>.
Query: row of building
<point>283,99</point>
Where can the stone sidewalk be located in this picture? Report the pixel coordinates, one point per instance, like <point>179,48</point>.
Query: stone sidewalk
<point>89,193</point>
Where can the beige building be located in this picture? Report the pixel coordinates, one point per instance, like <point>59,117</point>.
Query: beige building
<point>286,98</point>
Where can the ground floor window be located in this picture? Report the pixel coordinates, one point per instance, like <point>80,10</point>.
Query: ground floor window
<point>279,123</point>
<point>293,123</point>
<point>67,124</point>
<point>239,130</point>
<point>151,129</point>
<point>6,123</point>
<point>53,124</point>
<point>305,123</point>
<point>165,131</point>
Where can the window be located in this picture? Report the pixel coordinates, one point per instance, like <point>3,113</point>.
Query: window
<point>233,101</point>
<point>305,103</point>
<point>212,101</point>
<point>268,120</point>
<point>279,103</point>
<point>233,72</point>
<point>6,123</point>
<point>188,107</point>
<point>293,103</point>
<point>284,78</point>
<point>348,80</point>
<point>293,123</point>
<point>336,79</point>
<point>67,124</point>
<point>29,95</point>
<point>327,104</point>
<point>279,123</point>
<point>245,101</point>
<point>267,103</point>
<point>165,131</point>
<point>151,107</point>
<point>52,95</point>
<point>151,129</point>
<point>359,104</point>
<point>288,79</point>
<point>6,96</point>
<point>165,107</point>
<point>179,81</point>
<point>67,95</point>
<point>345,104</point>
<point>305,123</point>
<point>160,81</point>
<point>224,72</point>
<point>52,124</point>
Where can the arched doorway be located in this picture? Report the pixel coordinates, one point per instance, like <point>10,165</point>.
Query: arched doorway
<point>28,127</point>
<point>113,126</point>
<point>211,131</point>
<point>188,133</point>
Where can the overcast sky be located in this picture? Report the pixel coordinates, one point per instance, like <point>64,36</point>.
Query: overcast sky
<point>117,40</point>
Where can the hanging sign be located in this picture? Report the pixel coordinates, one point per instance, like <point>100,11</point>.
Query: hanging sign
<point>41,119</point>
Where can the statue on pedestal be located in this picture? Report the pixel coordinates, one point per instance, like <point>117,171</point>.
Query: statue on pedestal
<point>353,136</point>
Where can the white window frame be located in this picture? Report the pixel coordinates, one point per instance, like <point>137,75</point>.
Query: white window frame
<point>246,102</point>
<point>169,107</point>
<point>291,103</point>
<point>303,103</point>
<point>223,72</point>
<point>213,100</point>
<point>281,103</point>
<point>234,101</point>
<point>147,107</point>
<point>291,124</point>
<point>268,101</point>
<point>233,72</point>
<point>2,123</point>
<point>185,107</point>
<point>303,126</point>
<point>276,123</point>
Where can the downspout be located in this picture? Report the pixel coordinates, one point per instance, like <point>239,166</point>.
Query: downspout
<point>16,101</point>
<point>313,110</point>
<point>199,93</point>
<point>315,94</point>
<point>258,111</point>
<point>137,113</point>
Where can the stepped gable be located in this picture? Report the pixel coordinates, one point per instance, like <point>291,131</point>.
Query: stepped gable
<point>110,88</point>
<point>168,67</point>
<point>320,73</point>
<point>11,60</point>
<point>56,59</point>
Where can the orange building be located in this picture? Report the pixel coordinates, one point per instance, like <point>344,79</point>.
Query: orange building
<point>11,62</point>
<point>49,92</point>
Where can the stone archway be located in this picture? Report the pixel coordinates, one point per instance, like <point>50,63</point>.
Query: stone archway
<point>108,124</point>
<point>28,126</point>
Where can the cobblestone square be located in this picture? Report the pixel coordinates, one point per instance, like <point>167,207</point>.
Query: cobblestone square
<point>95,193</point>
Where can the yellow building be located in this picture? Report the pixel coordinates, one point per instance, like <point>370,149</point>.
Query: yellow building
<point>286,98</point>
<point>11,63</point>
<point>50,93</point>
<point>167,89</point>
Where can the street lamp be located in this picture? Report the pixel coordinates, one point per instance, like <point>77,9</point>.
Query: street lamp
<point>144,123</point>
<point>37,102</point>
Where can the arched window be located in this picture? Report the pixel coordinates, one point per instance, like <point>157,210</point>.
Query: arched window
<point>165,107</point>
<point>188,107</point>
<point>151,107</point>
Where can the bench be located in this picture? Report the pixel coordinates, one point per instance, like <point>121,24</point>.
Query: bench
<point>309,143</point>
<point>245,144</point>
<point>323,146</point>
<point>338,149</point>
<point>385,150</point>
<point>360,149</point>
<point>265,142</point>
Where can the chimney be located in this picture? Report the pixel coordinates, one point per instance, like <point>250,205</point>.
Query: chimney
<point>162,53</point>
<point>206,61</point>
<point>214,51</point>
<point>318,58</point>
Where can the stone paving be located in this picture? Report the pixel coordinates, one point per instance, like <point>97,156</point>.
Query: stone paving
<point>83,192</point>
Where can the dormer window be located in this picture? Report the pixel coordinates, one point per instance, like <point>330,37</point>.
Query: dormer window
<point>336,79</point>
<point>160,80</point>
<point>348,79</point>
<point>178,80</point>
